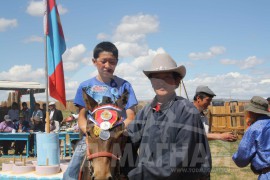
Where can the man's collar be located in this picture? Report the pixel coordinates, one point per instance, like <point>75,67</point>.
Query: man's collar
<point>163,106</point>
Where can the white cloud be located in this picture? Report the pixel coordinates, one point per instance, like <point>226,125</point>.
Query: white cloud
<point>127,49</point>
<point>102,36</point>
<point>213,51</point>
<point>228,61</point>
<point>250,62</point>
<point>129,35</point>
<point>265,81</point>
<point>7,23</point>
<point>61,9</point>
<point>74,53</point>
<point>37,8</point>
<point>70,66</point>
<point>87,60</point>
<point>73,57</point>
<point>134,28</point>
<point>34,39</point>
<point>232,85</point>
<point>23,73</point>
<point>71,88</point>
<point>247,63</point>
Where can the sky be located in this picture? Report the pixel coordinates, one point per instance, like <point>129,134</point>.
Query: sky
<point>223,44</point>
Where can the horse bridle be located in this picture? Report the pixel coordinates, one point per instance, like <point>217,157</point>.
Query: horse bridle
<point>90,157</point>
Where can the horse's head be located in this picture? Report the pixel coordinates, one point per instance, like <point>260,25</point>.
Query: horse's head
<point>105,129</point>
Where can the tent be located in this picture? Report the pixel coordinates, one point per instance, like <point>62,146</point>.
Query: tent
<point>23,88</point>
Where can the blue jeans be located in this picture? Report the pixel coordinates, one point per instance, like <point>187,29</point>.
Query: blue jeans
<point>72,172</point>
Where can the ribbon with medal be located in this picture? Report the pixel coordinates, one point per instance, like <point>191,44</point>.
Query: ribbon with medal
<point>106,117</point>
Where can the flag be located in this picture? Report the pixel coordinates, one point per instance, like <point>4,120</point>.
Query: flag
<point>56,46</point>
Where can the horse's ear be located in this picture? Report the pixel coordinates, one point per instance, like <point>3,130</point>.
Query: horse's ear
<point>89,128</point>
<point>119,130</point>
<point>90,103</point>
<point>122,101</point>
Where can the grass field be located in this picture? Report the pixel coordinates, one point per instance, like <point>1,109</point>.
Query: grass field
<point>223,166</point>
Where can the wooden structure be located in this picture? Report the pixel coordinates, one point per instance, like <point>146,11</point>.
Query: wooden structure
<point>20,88</point>
<point>17,88</point>
<point>227,118</point>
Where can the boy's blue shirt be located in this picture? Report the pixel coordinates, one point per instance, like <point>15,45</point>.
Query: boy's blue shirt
<point>112,90</point>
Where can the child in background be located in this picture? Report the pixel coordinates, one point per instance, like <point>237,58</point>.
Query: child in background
<point>21,126</point>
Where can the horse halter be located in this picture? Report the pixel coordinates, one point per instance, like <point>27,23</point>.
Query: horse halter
<point>100,154</point>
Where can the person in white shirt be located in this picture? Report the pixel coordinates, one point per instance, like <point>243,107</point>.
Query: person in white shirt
<point>36,119</point>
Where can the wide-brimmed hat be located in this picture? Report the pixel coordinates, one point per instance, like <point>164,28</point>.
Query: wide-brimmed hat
<point>205,89</point>
<point>51,103</point>
<point>7,118</point>
<point>164,63</point>
<point>258,105</point>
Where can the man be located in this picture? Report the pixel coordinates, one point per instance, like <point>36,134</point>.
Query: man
<point>6,126</point>
<point>26,112</point>
<point>168,132</point>
<point>202,100</point>
<point>14,112</point>
<point>36,119</point>
<point>105,84</point>
<point>55,114</point>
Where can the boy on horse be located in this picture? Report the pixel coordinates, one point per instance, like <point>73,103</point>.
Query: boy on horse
<point>168,132</point>
<point>102,87</point>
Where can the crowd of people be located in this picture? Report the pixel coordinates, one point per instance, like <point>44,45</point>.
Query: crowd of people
<point>169,133</point>
<point>22,120</point>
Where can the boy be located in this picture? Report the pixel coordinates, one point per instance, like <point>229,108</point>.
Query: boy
<point>21,126</point>
<point>168,132</point>
<point>105,84</point>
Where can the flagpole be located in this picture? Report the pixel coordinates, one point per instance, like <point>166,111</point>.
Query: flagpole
<point>185,89</point>
<point>47,120</point>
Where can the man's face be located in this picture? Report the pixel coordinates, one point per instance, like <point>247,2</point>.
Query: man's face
<point>106,64</point>
<point>51,107</point>
<point>204,103</point>
<point>163,84</point>
<point>24,106</point>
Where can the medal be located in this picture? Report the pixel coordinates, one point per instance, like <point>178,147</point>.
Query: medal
<point>114,91</point>
<point>104,135</point>
<point>96,130</point>
<point>106,115</point>
<point>105,125</point>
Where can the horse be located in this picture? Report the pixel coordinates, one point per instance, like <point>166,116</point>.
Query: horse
<point>105,138</point>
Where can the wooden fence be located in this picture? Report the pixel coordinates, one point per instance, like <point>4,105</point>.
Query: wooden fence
<point>227,118</point>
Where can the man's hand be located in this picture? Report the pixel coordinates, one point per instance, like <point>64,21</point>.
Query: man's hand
<point>228,136</point>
